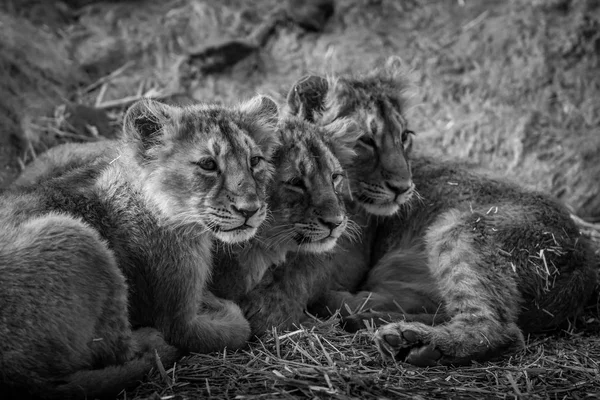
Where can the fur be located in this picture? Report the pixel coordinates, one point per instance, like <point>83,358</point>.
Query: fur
<point>296,223</point>
<point>307,216</point>
<point>106,263</point>
<point>482,259</point>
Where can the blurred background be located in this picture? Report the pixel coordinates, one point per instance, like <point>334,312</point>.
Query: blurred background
<point>509,86</point>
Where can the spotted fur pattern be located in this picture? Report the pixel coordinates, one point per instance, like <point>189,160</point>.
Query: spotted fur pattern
<point>499,260</point>
<point>124,242</point>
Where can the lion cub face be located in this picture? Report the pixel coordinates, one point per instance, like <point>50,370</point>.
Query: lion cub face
<point>380,173</point>
<point>206,164</point>
<point>308,212</point>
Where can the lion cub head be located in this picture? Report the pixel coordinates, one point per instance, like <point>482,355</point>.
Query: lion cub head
<point>205,165</point>
<point>380,173</point>
<point>305,198</point>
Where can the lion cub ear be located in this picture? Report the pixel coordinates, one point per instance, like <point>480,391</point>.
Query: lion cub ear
<point>147,124</point>
<point>394,68</point>
<point>341,136</point>
<point>307,97</point>
<point>263,114</point>
<point>395,64</point>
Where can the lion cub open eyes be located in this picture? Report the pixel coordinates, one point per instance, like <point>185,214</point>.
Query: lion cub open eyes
<point>210,165</point>
<point>121,238</point>
<point>215,170</point>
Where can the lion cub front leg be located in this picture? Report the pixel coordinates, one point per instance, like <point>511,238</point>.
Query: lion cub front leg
<point>457,343</point>
<point>214,325</point>
<point>480,297</point>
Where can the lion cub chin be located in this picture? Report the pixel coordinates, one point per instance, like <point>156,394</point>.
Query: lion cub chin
<point>125,242</point>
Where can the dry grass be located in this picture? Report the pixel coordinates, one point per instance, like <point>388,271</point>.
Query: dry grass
<point>323,361</point>
<point>511,86</point>
<point>35,75</point>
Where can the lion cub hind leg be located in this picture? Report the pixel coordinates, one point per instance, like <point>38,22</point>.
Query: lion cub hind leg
<point>112,379</point>
<point>480,298</point>
<point>63,302</point>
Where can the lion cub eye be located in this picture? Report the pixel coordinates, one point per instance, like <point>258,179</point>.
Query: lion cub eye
<point>254,161</point>
<point>336,178</point>
<point>367,140</point>
<point>373,126</point>
<point>405,134</point>
<point>296,184</point>
<point>207,164</point>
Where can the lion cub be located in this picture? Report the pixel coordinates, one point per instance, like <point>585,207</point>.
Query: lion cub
<point>498,258</point>
<point>87,255</point>
<point>308,215</point>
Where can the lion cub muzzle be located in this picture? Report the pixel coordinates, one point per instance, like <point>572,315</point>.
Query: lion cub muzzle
<point>238,222</point>
<point>320,233</point>
<point>385,198</point>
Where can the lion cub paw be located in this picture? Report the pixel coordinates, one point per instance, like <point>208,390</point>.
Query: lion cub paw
<point>408,342</point>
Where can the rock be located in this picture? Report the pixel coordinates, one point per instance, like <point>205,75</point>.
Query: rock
<point>311,15</point>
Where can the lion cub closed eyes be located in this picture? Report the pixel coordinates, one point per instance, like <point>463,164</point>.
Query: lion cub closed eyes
<point>87,255</point>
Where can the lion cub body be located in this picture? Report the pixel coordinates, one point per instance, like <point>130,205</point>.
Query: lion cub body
<point>479,258</point>
<point>308,216</point>
<point>87,255</point>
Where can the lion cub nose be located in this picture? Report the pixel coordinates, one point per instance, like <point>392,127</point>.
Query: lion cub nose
<point>399,188</point>
<point>245,212</point>
<point>332,222</point>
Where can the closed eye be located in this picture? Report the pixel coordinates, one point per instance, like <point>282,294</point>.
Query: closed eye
<point>373,126</point>
<point>406,133</point>
<point>337,178</point>
<point>296,184</point>
<point>254,161</point>
<point>367,140</point>
<point>207,164</point>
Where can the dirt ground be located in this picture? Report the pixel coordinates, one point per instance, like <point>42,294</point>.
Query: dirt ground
<point>511,87</point>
